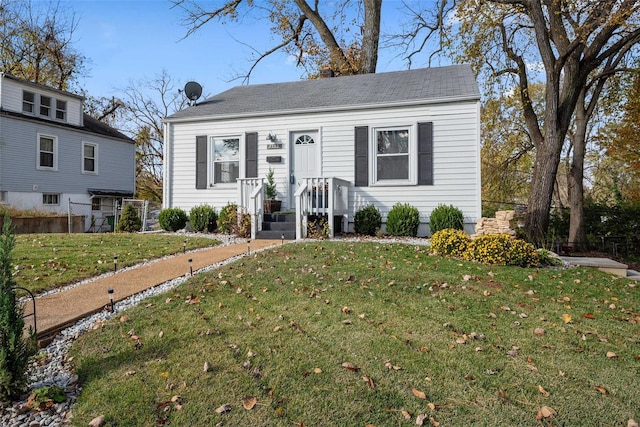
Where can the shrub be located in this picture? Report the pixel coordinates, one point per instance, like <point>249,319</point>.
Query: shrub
<point>203,218</point>
<point>446,216</point>
<point>403,220</point>
<point>172,219</point>
<point>368,220</point>
<point>228,218</point>
<point>500,249</point>
<point>228,221</point>
<point>270,188</point>
<point>15,347</point>
<point>129,222</point>
<point>450,242</point>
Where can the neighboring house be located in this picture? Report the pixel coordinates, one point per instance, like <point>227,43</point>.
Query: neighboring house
<point>51,153</point>
<point>336,145</point>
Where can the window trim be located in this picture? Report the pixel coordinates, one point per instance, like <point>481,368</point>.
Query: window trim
<point>412,157</point>
<point>211,163</point>
<point>32,103</point>
<point>45,196</point>
<point>95,158</point>
<point>55,152</point>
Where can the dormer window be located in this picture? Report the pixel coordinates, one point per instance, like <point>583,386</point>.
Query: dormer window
<point>45,105</point>
<point>61,110</point>
<point>28,101</point>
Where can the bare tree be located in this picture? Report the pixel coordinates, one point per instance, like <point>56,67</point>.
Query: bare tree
<point>36,43</point>
<point>318,38</point>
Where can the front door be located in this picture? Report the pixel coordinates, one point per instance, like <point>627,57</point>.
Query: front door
<point>305,159</point>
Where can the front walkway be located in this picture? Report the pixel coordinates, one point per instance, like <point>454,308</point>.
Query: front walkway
<point>58,310</point>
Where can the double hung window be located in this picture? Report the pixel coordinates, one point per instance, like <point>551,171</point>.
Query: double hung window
<point>226,159</point>
<point>47,152</point>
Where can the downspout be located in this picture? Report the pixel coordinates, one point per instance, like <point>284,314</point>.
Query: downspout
<point>166,167</point>
<point>479,163</point>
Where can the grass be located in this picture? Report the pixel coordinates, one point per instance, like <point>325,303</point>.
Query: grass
<point>46,261</point>
<point>279,326</point>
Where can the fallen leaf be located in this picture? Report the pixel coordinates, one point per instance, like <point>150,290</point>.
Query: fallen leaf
<point>420,419</point>
<point>346,310</point>
<point>347,322</point>
<point>369,381</point>
<point>350,367</point>
<point>632,423</point>
<point>249,402</point>
<point>389,365</point>
<point>538,331</point>
<point>544,392</point>
<point>277,328</point>
<point>161,334</point>
<point>566,318</point>
<point>431,406</point>
<point>433,422</point>
<point>588,316</point>
<point>164,374</point>
<point>129,373</point>
<point>176,399</point>
<point>419,394</point>
<point>317,370</point>
<point>491,315</point>
<point>206,366</point>
<point>545,412</point>
<point>97,421</point>
<point>124,318</point>
<point>222,409</point>
<point>611,355</point>
<point>405,414</point>
<point>600,389</point>
<point>466,277</point>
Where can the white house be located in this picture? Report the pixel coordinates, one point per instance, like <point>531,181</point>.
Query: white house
<point>52,153</point>
<point>336,145</point>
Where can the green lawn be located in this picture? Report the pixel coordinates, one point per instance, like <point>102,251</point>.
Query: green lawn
<point>46,261</point>
<point>356,334</point>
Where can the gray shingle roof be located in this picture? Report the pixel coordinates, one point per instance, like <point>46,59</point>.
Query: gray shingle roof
<point>412,86</point>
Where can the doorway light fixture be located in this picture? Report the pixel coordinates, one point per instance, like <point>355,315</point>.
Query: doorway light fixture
<point>271,137</point>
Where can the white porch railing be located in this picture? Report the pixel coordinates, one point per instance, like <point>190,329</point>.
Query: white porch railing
<point>250,199</point>
<point>321,196</point>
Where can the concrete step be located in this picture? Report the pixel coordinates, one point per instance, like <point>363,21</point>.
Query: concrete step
<point>279,226</point>
<point>275,235</point>
<point>603,264</point>
<point>279,217</point>
<point>634,275</point>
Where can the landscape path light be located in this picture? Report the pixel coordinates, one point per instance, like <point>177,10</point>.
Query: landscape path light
<point>115,263</point>
<point>110,292</point>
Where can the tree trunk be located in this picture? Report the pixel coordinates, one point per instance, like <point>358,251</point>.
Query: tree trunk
<point>371,35</point>
<point>542,184</point>
<point>575,179</point>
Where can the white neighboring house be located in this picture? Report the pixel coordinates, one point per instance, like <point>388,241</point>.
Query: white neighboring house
<point>336,145</point>
<point>51,152</point>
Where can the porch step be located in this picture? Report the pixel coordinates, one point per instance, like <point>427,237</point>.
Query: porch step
<point>602,264</point>
<point>274,226</point>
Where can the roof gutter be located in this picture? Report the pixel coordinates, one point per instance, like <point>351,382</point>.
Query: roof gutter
<point>336,108</point>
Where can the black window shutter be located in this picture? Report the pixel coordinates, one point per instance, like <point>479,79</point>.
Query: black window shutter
<point>425,153</point>
<point>251,155</point>
<point>362,156</point>
<point>201,162</point>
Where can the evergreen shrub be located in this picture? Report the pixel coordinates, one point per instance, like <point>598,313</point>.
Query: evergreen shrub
<point>203,218</point>
<point>403,220</point>
<point>15,346</point>
<point>129,222</point>
<point>368,221</point>
<point>172,219</point>
<point>446,216</point>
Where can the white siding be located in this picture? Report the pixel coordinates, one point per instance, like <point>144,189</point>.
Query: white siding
<point>11,99</point>
<point>456,171</point>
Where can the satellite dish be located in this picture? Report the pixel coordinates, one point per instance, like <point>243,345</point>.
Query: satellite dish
<point>193,90</point>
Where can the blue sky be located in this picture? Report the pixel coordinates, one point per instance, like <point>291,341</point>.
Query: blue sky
<point>129,41</point>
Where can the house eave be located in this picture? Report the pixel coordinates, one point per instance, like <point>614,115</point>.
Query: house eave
<point>324,109</point>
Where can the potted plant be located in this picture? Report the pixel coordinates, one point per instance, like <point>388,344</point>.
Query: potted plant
<point>271,204</point>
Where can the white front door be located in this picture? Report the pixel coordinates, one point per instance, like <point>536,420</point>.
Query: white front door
<point>305,159</point>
